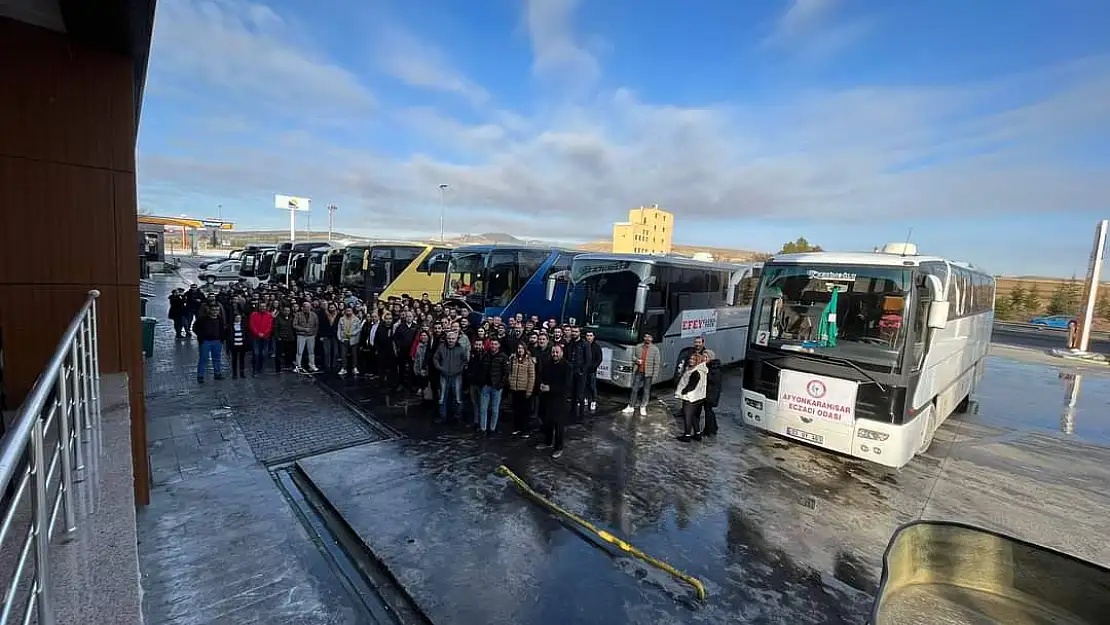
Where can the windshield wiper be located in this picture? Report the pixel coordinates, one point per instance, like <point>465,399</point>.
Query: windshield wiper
<point>844,361</point>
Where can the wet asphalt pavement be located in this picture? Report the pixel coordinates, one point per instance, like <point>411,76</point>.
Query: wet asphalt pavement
<point>779,532</point>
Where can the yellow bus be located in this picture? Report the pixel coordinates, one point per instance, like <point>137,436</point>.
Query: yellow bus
<point>393,269</point>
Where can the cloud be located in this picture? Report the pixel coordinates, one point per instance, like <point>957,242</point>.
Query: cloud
<point>855,157</point>
<point>420,64</point>
<point>556,49</point>
<point>246,57</point>
<point>814,30</point>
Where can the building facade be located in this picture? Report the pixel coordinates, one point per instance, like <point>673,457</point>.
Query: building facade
<point>649,230</point>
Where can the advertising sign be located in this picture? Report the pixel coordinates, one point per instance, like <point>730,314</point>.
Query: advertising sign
<point>699,322</point>
<point>292,203</point>
<point>605,370</point>
<point>810,397</point>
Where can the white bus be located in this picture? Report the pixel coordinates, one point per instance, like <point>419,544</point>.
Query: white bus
<point>865,354</point>
<point>620,297</point>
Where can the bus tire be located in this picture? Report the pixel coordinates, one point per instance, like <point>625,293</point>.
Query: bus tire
<point>964,406</point>
<point>930,431</point>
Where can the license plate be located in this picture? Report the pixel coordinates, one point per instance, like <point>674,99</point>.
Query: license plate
<point>806,436</point>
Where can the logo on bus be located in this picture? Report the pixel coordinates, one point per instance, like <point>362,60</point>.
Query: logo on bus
<point>816,389</point>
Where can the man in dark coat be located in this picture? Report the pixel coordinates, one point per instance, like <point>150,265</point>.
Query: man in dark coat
<point>556,389</point>
<point>712,397</point>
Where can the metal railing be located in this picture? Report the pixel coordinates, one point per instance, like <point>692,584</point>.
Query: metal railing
<point>41,458</point>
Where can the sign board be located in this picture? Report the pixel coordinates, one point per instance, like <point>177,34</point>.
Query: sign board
<point>292,203</point>
<point>699,322</point>
<point>605,369</point>
<point>212,223</point>
<point>810,397</point>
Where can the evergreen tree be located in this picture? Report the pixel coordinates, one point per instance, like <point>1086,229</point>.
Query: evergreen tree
<point>1017,297</point>
<point>1073,293</point>
<point>798,246</point>
<point>1032,302</point>
<point>1058,303</point>
<point>1003,308</point>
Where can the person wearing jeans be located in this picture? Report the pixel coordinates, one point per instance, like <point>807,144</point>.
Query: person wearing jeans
<point>306,324</point>
<point>348,332</point>
<point>495,372</point>
<point>261,326</point>
<point>209,329</point>
<point>647,365</point>
<point>450,360</point>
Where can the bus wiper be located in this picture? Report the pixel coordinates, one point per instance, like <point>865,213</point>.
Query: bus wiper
<point>844,361</point>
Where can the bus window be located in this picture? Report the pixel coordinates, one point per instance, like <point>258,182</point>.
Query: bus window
<point>435,261</point>
<point>528,263</point>
<point>402,258</point>
<point>502,273</point>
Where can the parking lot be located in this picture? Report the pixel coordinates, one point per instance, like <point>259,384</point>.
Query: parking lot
<point>778,532</point>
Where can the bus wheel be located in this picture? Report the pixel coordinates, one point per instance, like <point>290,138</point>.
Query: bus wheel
<point>930,431</point>
<point>964,406</point>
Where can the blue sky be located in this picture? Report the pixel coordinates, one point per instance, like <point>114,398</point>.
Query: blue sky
<point>983,126</point>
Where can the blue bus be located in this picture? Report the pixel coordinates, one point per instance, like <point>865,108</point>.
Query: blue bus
<point>503,280</point>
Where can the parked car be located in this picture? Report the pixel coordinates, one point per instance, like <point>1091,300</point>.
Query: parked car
<point>227,271</point>
<point>1060,322</point>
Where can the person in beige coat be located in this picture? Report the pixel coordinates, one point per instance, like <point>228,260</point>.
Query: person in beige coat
<point>522,381</point>
<point>648,363</point>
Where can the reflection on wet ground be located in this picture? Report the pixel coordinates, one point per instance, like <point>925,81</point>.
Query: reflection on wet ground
<point>778,532</point>
<point>1072,402</point>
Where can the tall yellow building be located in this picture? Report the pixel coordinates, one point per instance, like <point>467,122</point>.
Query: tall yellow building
<point>649,230</point>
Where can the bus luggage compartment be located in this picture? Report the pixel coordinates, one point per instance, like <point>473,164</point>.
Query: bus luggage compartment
<point>943,573</point>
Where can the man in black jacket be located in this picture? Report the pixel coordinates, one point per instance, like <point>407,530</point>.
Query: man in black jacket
<point>495,365</point>
<point>210,330</point>
<point>177,312</point>
<point>588,361</point>
<point>712,397</point>
<point>541,353</point>
<point>556,390</point>
<point>194,297</point>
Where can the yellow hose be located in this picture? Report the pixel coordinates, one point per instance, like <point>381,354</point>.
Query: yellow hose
<point>606,536</point>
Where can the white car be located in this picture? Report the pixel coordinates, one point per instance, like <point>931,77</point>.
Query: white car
<point>226,271</point>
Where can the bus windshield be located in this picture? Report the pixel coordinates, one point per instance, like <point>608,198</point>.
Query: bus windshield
<point>248,262</point>
<point>606,294</point>
<point>850,312</point>
<point>351,274</point>
<point>466,277</point>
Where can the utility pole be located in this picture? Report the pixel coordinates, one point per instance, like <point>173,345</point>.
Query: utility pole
<point>442,208</point>
<point>308,226</point>
<point>331,219</point>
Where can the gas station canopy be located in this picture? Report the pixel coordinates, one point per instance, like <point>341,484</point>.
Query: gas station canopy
<point>187,222</point>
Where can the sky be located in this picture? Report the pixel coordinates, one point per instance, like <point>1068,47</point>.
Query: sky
<point>979,130</point>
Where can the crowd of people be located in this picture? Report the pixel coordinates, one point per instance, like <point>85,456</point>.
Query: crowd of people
<point>429,352</point>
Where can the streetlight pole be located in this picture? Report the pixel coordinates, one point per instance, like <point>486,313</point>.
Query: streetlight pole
<point>442,208</point>
<point>331,219</point>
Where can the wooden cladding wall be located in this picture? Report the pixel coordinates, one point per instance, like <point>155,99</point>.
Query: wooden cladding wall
<point>68,220</point>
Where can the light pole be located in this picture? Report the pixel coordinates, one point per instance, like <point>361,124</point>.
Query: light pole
<point>331,219</point>
<point>442,208</point>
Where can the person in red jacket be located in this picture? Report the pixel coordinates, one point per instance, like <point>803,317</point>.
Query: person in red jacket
<point>261,324</point>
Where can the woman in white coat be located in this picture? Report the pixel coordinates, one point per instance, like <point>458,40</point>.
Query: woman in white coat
<point>691,390</point>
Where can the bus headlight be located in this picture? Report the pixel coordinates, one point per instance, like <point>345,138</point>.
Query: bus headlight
<point>872,434</point>
<point>753,403</point>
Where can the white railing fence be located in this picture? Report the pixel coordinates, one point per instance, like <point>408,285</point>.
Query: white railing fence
<point>41,457</point>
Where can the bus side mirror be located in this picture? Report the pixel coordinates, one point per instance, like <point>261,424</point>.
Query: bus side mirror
<point>641,298</point>
<point>938,315</point>
<point>549,290</point>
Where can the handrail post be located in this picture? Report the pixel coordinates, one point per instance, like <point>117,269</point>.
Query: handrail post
<point>84,341</point>
<point>40,527</point>
<point>65,444</point>
<point>78,357</point>
<point>94,356</point>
